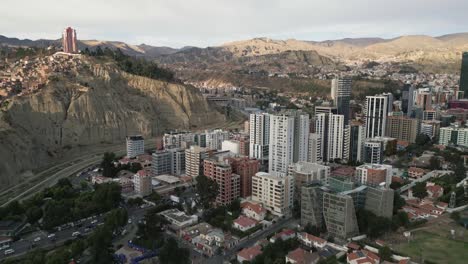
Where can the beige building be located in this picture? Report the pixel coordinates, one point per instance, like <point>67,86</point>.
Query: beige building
<point>274,192</point>
<point>307,172</point>
<point>193,158</point>
<point>142,182</point>
<point>402,128</point>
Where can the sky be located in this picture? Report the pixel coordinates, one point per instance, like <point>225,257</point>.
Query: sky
<point>202,23</point>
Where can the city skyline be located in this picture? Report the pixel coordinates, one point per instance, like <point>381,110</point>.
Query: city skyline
<point>135,23</point>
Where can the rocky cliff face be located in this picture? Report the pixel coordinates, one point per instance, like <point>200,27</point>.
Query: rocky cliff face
<point>96,105</point>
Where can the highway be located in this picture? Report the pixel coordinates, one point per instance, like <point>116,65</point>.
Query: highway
<point>69,168</point>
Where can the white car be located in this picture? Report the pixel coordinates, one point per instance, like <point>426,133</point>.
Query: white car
<point>37,239</point>
<point>50,236</point>
<point>76,234</point>
<point>94,221</point>
<point>9,251</point>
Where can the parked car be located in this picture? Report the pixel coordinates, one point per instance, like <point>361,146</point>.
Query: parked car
<point>51,236</point>
<point>75,234</point>
<point>37,239</point>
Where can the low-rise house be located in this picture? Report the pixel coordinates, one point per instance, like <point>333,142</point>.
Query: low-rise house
<point>416,173</point>
<point>244,223</point>
<point>179,219</point>
<point>311,240</point>
<point>362,257</point>
<point>284,235</point>
<point>248,254</point>
<point>301,256</point>
<point>434,190</point>
<point>254,210</point>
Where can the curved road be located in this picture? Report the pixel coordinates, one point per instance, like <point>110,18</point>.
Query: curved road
<point>68,168</point>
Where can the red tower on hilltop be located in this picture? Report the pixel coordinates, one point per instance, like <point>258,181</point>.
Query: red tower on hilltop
<point>69,40</point>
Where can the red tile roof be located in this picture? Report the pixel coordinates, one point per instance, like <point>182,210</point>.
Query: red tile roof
<point>257,208</point>
<point>245,221</point>
<point>250,253</point>
<point>313,238</point>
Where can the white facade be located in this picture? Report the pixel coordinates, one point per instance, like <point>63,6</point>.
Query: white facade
<point>274,192</point>
<point>373,152</point>
<point>281,143</point>
<point>301,137</point>
<point>376,112</point>
<point>310,172</point>
<point>315,148</point>
<point>231,145</point>
<point>453,135</point>
<point>335,137</point>
<point>259,136</point>
<point>135,146</point>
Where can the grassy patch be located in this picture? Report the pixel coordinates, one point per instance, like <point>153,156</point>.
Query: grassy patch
<point>434,248</point>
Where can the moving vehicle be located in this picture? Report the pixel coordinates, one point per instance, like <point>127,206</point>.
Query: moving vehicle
<point>51,236</point>
<point>76,234</point>
<point>9,251</point>
<point>37,239</point>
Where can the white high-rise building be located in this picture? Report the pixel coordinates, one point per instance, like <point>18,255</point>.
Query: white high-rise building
<point>376,112</point>
<point>289,140</point>
<point>259,136</point>
<point>281,151</point>
<point>315,148</point>
<point>275,192</point>
<point>135,146</point>
<point>335,137</point>
<point>215,138</point>
<point>372,152</point>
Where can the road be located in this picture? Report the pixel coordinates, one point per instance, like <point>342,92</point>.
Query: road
<point>250,241</point>
<point>51,175</point>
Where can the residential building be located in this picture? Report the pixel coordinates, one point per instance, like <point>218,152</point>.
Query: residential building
<point>254,211</point>
<point>311,240</point>
<point>315,148</point>
<point>284,235</point>
<point>336,137</point>
<point>281,151</point>
<point>248,254</point>
<point>215,138</point>
<point>135,146</point>
<point>430,128</point>
<point>376,112</point>
<point>402,128</point>
<point>304,173</point>
<point>176,139</point>
<point>362,257</point>
<point>372,152</point>
<point>322,114</point>
<point>161,163</point>
<point>341,96</point>
<point>228,182</point>
<point>453,135</point>
<point>69,40</point>
<point>416,173</point>
<point>246,168</point>
<point>244,223</point>
<point>274,192</point>
<point>179,219</point>
<point>142,182</point>
<point>193,160</point>
<point>231,145</point>
<point>259,136</point>
<point>374,174</point>
<point>300,256</point>
<point>340,215</point>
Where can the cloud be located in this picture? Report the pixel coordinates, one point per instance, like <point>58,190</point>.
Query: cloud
<point>211,22</point>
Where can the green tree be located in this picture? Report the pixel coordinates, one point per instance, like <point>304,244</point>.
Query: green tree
<point>311,229</point>
<point>207,190</point>
<point>107,164</point>
<point>171,253</point>
<point>419,190</point>
<point>116,218</point>
<point>385,253</point>
<point>100,244</point>
<point>33,214</point>
<point>434,163</point>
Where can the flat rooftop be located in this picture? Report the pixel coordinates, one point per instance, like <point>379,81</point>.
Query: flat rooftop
<point>167,179</point>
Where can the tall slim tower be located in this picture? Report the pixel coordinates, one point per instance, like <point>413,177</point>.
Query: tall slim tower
<point>259,136</point>
<point>464,74</point>
<point>376,112</point>
<point>69,40</point>
<point>341,96</point>
<point>335,137</point>
<point>281,148</point>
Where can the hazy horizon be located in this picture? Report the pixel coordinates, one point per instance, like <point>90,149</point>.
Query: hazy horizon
<point>178,23</point>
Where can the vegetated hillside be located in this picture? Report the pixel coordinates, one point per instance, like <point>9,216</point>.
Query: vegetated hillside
<point>97,105</point>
